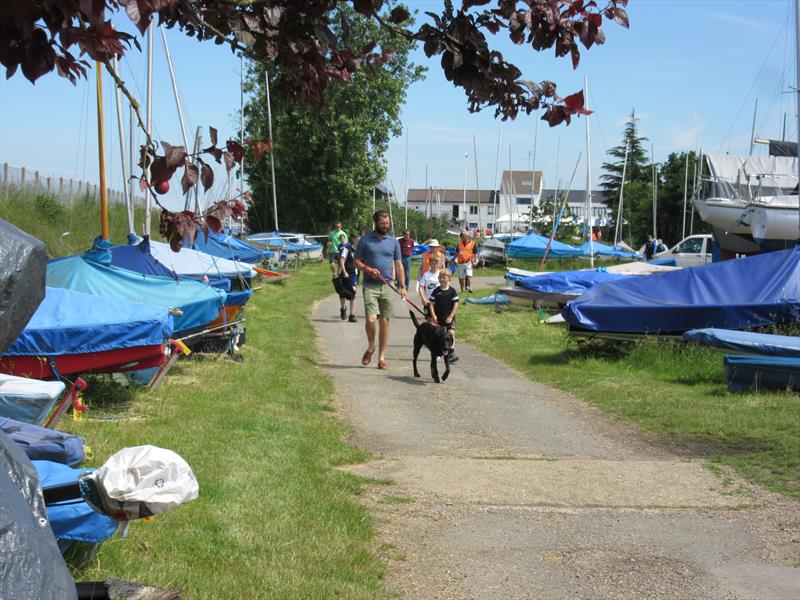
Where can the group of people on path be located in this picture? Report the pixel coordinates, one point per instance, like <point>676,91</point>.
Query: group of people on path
<point>386,265</point>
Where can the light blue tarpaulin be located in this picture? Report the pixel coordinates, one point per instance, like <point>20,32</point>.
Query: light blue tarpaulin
<point>746,341</point>
<point>199,303</point>
<point>280,242</point>
<point>774,372</point>
<point>74,519</point>
<point>497,298</point>
<point>69,322</point>
<point>568,282</point>
<point>744,293</point>
<point>225,245</point>
<point>533,245</point>
<point>604,250</point>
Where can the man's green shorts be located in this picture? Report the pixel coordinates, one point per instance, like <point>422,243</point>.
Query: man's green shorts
<point>378,300</point>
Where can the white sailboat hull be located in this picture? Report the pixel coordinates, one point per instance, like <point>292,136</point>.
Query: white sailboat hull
<point>724,213</point>
<point>773,223</point>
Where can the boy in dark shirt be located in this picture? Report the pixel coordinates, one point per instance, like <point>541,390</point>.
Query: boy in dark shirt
<point>445,305</point>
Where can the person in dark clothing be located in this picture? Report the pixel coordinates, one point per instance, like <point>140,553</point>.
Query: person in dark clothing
<point>347,271</point>
<point>445,305</point>
<point>407,251</point>
<point>649,248</point>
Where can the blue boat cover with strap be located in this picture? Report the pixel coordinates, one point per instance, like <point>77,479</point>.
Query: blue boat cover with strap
<point>568,282</point>
<point>74,519</point>
<point>744,293</point>
<point>199,302</point>
<point>533,245</point>
<point>746,342</point>
<point>69,322</point>
<point>601,249</point>
<point>40,443</point>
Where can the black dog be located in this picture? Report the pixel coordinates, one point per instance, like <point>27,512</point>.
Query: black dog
<point>436,339</point>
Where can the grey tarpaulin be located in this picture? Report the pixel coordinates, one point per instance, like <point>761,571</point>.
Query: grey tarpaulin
<point>31,566</point>
<point>781,148</point>
<point>23,266</point>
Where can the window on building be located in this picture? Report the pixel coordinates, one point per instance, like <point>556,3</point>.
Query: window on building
<point>523,201</point>
<point>473,210</point>
<point>473,225</point>
<point>455,211</point>
<point>490,210</point>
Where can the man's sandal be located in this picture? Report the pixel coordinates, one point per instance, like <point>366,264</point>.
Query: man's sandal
<point>367,357</point>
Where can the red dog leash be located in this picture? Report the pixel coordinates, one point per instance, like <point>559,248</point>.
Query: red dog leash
<point>406,300</point>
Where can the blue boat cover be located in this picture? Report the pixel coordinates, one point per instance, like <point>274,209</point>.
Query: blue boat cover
<point>533,245</point>
<point>601,249</point>
<point>497,298</point>
<point>226,246</point>
<point>746,342</point>
<point>74,519</point>
<point>69,322</point>
<point>568,282</point>
<point>743,293</point>
<point>774,372</point>
<point>40,443</point>
<point>199,302</point>
<point>277,241</point>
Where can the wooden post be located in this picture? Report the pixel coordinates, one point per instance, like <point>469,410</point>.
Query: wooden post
<point>49,186</point>
<point>5,174</point>
<point>36,180</point>
<point>22,177</point>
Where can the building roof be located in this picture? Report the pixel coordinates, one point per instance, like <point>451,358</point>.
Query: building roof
<point>519,183</point>
<point>575,197</point>
<point>452,196</point>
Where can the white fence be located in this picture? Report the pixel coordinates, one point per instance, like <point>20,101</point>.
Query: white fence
<point>63,189</point>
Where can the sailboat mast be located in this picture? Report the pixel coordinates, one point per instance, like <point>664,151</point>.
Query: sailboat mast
<point>464,203</point>
<point>405,196</point>
<point>797,89</point>
<point>477,185</point>
<point>123,158</point>
<point>653,178</point>
<point>149,124</point>
<point>589,216</point>
<point>272,152</point>
<point>533,169</point>
<point>685,191</point>
<point>495,191</point>
<point>241,123</point>
<point>618,228</point>
<point>101,153</point>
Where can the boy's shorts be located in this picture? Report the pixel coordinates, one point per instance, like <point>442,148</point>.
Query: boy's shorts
<point>333,257</point>
<point>451,325</point>
<point>378,300</point>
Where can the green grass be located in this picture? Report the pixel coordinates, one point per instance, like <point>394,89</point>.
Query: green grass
<point>676,391</point>
<point>275,518</point>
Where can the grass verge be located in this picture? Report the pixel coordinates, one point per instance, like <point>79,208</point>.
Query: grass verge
<point>677,391</point>
<point>274,519</point>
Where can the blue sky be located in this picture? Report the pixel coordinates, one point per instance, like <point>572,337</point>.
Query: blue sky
<point>692,69</point>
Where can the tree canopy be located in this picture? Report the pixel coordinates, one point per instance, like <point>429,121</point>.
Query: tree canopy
<point>311,44</point>
<point>328,159</point>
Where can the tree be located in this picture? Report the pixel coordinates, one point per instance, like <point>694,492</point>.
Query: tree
<point>328,160</point>
<point>637,193</point>
<point>309,41</point>
<point>672,177</point>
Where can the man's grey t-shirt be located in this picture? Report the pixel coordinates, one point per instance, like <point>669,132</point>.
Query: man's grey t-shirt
<point>379,253</point>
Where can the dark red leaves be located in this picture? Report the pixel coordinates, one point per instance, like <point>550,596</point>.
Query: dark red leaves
<point>398,15</point>
<point>190,176</point>
<point>214,224</point>
<point>236,150</point>
<point>206,177</point>
<point>212,132</point>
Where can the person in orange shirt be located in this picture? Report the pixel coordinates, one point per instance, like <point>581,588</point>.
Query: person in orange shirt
<point>466,256</point>
<point>435,249</point>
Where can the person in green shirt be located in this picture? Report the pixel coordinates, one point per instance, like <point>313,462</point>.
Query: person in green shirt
<point>333,247</point>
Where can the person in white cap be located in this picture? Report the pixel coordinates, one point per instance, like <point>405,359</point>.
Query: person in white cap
<point>435,248</point>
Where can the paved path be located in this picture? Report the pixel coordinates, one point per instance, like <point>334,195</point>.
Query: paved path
<point>503,488</point>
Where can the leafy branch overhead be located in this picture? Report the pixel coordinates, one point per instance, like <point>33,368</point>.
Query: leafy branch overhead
<point>297,36</point>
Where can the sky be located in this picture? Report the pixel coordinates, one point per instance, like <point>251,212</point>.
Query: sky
<point>691,69</point>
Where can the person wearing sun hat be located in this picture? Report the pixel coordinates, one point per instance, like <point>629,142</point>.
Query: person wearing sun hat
<point>435,248</point>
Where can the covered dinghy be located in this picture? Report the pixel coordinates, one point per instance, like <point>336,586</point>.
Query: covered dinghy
<point>31,566</point>
<point>199,303</point>
<point>225,245</point>
<point>746,342</point>
<point>191,263</point>
<point>23,260</point>
<point>534,245</point>
<point>73,332</point>
<point>744,293</point>
<point>605,251</point>
<point>28,400</point>
<point>568,282</point>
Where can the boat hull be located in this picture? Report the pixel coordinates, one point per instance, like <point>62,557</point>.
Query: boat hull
<point>533,299</point>
<point>723,213</point>
<point>109,361</point>
<point>770,224</point>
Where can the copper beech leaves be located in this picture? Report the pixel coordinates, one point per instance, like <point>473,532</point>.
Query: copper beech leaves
<point>297,36</point>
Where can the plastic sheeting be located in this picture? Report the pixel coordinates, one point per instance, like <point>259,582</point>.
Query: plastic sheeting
<point>73,519</point>
<point>69,322</point>
<point>769,175</point>
<point>569,282</point>
<point>224,245</point>
<point>28,400</point>
<point>743,293</point>
<point>496,298</point>
<point>279,241</point>
<point>40,443</point>
<point>746,342</point>
<point>31,566</point>
<point>23,260</point>
<point>533,245</point>
<point>191,263</point>
<point>604,250</point>
<point>199,302</point>
<point>774,372</point>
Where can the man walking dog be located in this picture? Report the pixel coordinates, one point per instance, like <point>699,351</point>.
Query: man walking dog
<point>378,257</point>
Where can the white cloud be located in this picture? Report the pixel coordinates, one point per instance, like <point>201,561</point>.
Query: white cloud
<point>687,138</point>
<point>742,21</point>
